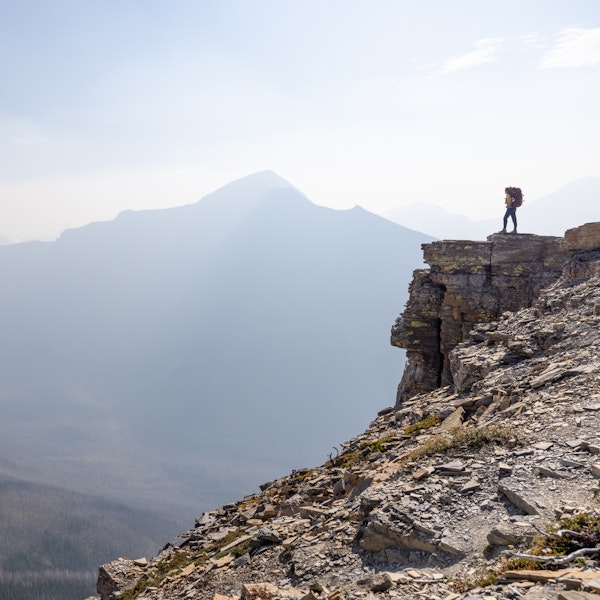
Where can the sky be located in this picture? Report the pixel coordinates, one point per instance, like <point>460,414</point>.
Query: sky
<point>112,105</point>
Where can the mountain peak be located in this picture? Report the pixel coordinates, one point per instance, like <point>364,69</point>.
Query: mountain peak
<point>241,195</point>
<point>260,181</point>
<point>268,178</point>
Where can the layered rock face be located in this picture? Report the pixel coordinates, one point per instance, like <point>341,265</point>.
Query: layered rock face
<point>473,282</point>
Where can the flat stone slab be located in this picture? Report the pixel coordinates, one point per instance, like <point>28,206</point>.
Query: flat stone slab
<point>517,498</point>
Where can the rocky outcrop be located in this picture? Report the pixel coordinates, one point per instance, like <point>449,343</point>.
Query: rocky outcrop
<point>476,282</point>
<point>425,509</point>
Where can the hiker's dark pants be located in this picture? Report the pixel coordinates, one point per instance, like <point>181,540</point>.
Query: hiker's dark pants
<point>511,212</point>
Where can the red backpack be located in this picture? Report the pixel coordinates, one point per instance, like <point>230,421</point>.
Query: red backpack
<point>516,195</point>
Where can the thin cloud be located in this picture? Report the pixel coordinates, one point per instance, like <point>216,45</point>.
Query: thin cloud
<point>484,51</point>
<point>576,47</point>
<point>29,140</point>
<point>532,41</point>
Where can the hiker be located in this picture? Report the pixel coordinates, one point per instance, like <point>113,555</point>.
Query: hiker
<point>513,198</point>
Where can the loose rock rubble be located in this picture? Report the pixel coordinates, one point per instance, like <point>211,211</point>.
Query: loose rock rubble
<point>426,501</point>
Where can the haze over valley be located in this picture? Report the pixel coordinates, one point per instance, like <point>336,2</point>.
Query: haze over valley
<point>175,359</point>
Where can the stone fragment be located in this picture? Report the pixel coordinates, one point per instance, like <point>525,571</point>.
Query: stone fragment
<point>288,542</point>
<point>117,576</point>
<point>470,486</point>
<point>311,512</point>
<point>450,547</point>
<point>187,571</point>
<point>266,535</point>
<point>222,562</point>
<point>547,472</point>
<point>571,595</point>
<point>424,528</point>
<point>521,453</point>
<point>422,473</point>
<point>412,573</point>
<point>140,562</point>
<point>502,535</point>
<point>380,534</point>
<point>453,421</point>
<point>395,577</point>
<point>593,585</point>
<point>553,373</point>
<point>242,560</point>
<point>269,511</point>
<point>360,487</point>
<point>236,542</point>
<point>541,576</point>
<point>217,536</point>
<point>455,466</point>
<point>381,583</point>
<point>517,498</point>
<point>583,238</point>
<point>565,462</point>
<point>496,336</point>
<point>205,519</point>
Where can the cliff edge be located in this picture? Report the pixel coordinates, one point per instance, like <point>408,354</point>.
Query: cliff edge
<point>474,282</point>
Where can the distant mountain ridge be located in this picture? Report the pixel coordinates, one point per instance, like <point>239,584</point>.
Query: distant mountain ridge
<point>180,340</point>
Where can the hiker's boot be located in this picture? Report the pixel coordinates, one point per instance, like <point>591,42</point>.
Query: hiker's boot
<point>513,231</point>
<point>503,231</point>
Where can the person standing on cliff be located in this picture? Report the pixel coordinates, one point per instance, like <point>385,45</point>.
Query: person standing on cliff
<point>513,198</point>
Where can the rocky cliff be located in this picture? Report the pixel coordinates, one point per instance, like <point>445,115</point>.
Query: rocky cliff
<point>467,283</point>
<point>499,444</point>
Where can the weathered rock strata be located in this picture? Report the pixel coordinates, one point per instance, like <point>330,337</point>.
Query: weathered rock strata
<point>423,503</point>
<point>475,282</point>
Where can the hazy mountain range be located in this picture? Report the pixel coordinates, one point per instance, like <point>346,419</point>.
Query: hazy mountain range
<point>175,359</point>
<point>570,206</point>
<point>543,216</point>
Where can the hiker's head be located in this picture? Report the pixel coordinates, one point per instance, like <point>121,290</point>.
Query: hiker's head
<point>514,192</point>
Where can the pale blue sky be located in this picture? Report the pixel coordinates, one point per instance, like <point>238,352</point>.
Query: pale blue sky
<point>109,105</point>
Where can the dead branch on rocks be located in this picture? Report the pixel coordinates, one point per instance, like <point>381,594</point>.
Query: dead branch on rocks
<point>553,560</point>
<point>560,533</point>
